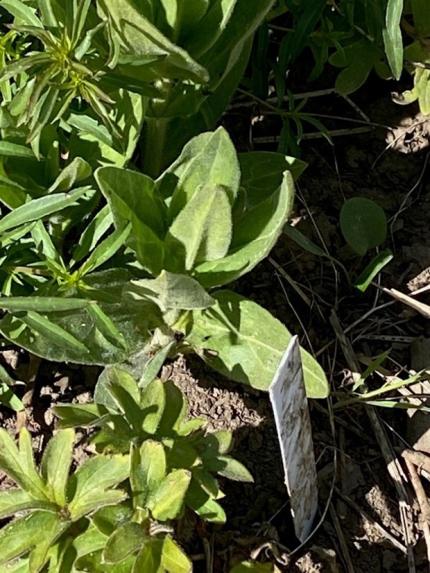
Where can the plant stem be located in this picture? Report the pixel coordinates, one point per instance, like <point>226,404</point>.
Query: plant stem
<point>153,151</point>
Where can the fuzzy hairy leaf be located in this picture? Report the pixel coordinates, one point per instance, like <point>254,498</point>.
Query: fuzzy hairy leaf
<point>254,236</point>
<point>246,343</point>
<point>202,230</point>
<point>132,200</point>
<point>209,159</point>
<point>171,291</point>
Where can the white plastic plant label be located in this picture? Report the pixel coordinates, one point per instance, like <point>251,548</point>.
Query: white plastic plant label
<point>290,407</point>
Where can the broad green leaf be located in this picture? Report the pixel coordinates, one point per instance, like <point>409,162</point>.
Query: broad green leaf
<point>56,462</point>
<point>303,241</point>
<point>204,505</point>
<point>52,332</point>
<point>202,231</point>
<point>108,519</point>
<point>254,237</point>
<point>78,170</point>
<point>139,37</point>
<point>358,60</point>
<point>148,469</point>
<point>392,35</point>
<point>209,159</point>
<point>132,200</point>
<point>40,208</point>
<point>125,541</point>
<point>207,482</point>
<point>13,501</point>
<point>263,172</point>
<point>83,335</point>
<point>149,558</point>
<point>35,530</point>
<point>153,403</point>
<point>22,12</point>
<point>168,499</point>
<point>176,410</point>
<point>114,376</point>
<point>93,562</point>
<point>231,469</point>
<point>170,291</point>
<point>18,467</point>
<point>363,224</point>
<point>89,487</point>
<point>129,409</point>
<point>174,559</point>
<point>79,415</point>
<point>245,342</point>
<point>373,269</point>
<point>218,443</point>
<point>211,26</point>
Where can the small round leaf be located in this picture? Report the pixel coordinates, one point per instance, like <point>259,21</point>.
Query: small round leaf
<point>363,224</point>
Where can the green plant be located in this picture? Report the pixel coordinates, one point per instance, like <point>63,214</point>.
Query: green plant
<point>363,224</point>
<point>115,61</point>
<point>205,222</point>
<point>154,419</point>
<point>164,462</point>
<point>57,506</point>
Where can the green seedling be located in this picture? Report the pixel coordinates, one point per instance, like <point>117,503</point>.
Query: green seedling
<point>53,506</point>
<point>166,444</point>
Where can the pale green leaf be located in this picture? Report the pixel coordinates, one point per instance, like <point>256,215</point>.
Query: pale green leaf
<point>202,230</point>
<point>255,235</point>
<point>174,559</point>
<point>18,467</point>
<point>392,35</point>
<point>170,291</point>
<point>168,499</point>
<point>56,462</point>
<point>245,342</point>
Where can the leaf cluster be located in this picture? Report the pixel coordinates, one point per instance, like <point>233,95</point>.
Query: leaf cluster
<point>151,260</point>
<point>163,464</point>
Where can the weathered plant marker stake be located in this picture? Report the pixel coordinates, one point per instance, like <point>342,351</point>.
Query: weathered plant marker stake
<point>290,407</point>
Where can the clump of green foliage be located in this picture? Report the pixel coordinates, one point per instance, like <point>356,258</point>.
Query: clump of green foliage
<point>117,511</point>
<point>100,70</point>
<point>206,221</point>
